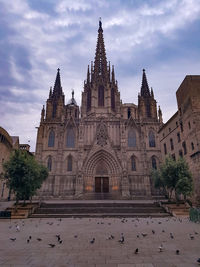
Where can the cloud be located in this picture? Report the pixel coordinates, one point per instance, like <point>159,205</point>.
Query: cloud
<point>37,37</point>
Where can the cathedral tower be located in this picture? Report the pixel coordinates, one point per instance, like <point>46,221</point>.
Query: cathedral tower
<point>147,108</point>
<point>100,96</point>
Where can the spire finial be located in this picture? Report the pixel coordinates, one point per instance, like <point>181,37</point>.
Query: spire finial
<point>100,23</point>
<point>72,93</point>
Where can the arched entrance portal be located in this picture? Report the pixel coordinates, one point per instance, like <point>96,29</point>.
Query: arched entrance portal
<point>102,176</point>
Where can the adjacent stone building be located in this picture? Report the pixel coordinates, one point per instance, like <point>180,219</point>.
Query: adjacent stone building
<point>105,149</point>
<point>180,135</point>
<point>7,144</point>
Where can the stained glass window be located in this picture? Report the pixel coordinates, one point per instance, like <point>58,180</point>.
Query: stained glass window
<point>133,163</point>
<point>51,140</point>
<point>152,142</point>
<point>70,138</point>
<point>131,138</point>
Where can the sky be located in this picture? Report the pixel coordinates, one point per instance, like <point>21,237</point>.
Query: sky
<point>39,36</point>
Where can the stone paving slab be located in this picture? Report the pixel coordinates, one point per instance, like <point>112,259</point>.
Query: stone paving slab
<point>76,249</point>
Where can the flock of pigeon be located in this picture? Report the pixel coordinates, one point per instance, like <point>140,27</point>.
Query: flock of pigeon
<point>59,241</point>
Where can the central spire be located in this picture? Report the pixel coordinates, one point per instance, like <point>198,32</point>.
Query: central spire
<point>145,87</point>
<point>57,90</point>
<point>100,62</point>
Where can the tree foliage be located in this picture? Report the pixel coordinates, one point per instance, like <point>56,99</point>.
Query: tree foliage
<point>24,174</point>
<point>174,176</point>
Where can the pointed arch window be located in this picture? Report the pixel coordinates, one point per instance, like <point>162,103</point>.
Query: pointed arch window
<point>154,163</point>
<point>54,110</point>
<point>69,163</point>
<point>49,163</point>
<point>51,140</point>
<point>89,99</point>
<point>113,99</point>
<point>133,163</point>
<point>70,142</point>
<point>148,110</point>
<point>152,141</point>
<point>101,96</point>
<point>129,113</point>
<point>131,138</point>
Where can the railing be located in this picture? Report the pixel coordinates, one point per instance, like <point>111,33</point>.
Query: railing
<point>195,215</point>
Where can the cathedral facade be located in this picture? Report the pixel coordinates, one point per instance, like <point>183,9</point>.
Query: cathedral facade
<point>105,149</point>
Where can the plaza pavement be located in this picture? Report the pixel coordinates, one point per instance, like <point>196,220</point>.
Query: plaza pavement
<point>76,249</point>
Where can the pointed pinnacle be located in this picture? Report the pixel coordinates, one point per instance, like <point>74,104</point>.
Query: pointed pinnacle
<point>145,87</point>
<point>57,90</point>
<point>88,75</point>
<point>113,74</point>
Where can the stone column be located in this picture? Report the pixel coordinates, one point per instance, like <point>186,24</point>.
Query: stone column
<point>125,186</point>
<point>79,186</point>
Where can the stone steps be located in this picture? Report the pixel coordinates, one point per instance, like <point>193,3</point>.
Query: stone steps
<point>99,209</point>
<point>100,215</point>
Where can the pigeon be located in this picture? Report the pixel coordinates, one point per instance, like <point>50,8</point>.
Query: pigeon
<point>30,237</point>
<point>171,235</point>
<point>52,245</point>
<point>60,241</point>
<point>28,240</point>
<point>92,241</point>
<point>136,251</point>
<point>160,248</point>
<point>198,260</point>
<point>13,239</point>
<point>191,237</point>
<point>163,231</point>
<point>121,241</point>
<point>144,234</point>
<point>75,236</point>
<point>58,237</point>
<point>196,233</point>
<point>138,236</point>
<point>177,252</point>
<point>39,239</point>
<point>153,232</point>
<point>111,237</point>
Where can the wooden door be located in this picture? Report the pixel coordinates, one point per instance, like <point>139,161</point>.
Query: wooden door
<point>98,184</point>
<point>105,181</point>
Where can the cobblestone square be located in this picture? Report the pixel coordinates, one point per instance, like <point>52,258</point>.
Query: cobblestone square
<point>75,248</point>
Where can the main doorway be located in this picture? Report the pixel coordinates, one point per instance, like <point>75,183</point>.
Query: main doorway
<point>101,185</point>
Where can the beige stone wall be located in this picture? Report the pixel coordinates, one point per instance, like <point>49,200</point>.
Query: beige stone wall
<point>186,123</point>
<point>5,151</point>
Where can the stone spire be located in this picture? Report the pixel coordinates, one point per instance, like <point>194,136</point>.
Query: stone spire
<point>88,75</point>
<point>50,92</point>
<point>113,74</point>
<point>57,90</point>
<point>145,87</point>
<point>100,62</point>
<point>152,94</point>
<point>160,119</point>
<point>42,114</point>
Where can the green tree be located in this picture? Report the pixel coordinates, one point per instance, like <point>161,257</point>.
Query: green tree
<point>174,176</point>
<point>24,175</point>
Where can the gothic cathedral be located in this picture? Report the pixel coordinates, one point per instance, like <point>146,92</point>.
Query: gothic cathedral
<point>105,149</point>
